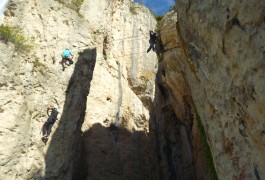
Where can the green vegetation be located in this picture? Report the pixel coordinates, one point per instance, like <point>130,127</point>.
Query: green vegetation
<point>206,148</point>
<point>173,8</point>
<point>158,20</point>
<point>72,4</point>
<point>77,3</point>
<point>133,8</point>
<point>15,36</point>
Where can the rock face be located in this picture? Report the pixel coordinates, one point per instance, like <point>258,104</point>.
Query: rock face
<point>106,93</point>
<point>180,139</point>
<point>224,66</point>
<point>123,115</point>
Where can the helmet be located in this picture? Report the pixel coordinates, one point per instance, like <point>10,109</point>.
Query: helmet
<point>50,106</point>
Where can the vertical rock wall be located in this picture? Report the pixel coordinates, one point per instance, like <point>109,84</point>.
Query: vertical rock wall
<point>224,44</point>
<point>180,140</point>
<point>117,143</point>
<point>108,90</point>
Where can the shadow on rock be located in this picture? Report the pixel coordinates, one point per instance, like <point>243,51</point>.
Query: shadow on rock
<point>116,153</point>
<point>174,123</point>
<point>63,152</point>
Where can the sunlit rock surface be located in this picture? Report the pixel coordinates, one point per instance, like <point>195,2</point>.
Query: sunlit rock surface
<point>111,85</point>
<point>224,42</point>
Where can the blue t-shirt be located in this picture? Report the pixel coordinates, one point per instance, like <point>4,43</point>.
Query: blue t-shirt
<point>66,53</point>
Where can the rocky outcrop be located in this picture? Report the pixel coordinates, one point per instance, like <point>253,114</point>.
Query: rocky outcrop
<point>200,117</point>
<point>224,65</point>
<point>103,99</point>
<point>180,138</point>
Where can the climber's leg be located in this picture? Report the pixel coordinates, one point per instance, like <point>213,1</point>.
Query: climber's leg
<point>150,47</point>
<point>69,60</point>
<point>44,129</point>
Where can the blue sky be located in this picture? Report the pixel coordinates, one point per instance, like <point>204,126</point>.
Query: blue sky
<point>2,6</point>
<point>159,7</point>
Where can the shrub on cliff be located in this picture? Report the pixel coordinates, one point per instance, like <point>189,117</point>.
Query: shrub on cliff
<point>133,8</point>
<point>158,24</point>
<point>15,36</point>
<point>72,4</point>
<point>77,3</point>
<point>172,8</point>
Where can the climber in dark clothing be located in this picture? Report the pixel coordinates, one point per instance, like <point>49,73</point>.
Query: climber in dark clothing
<point>47,126</point>
<point>152,41</point>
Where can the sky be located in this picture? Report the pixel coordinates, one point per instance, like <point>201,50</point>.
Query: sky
<point>2,6</point>
<point>159,7</point>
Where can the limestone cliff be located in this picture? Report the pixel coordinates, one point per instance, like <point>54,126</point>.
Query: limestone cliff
<point>103,99</point>
<point>181,141</point>
<point>196,114</point>
<point>219,59</point>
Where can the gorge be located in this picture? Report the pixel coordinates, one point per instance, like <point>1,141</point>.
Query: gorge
<point>192,109</point>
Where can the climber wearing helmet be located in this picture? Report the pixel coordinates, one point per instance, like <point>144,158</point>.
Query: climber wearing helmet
<point>47,126</point>
<point>67,56</point>
<point>152,41</point>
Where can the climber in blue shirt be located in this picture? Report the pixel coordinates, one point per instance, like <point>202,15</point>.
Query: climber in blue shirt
<point>67,56</point>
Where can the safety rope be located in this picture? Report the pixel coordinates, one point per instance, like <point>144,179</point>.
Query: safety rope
<point>131,37</point>
<point>114,40</point>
